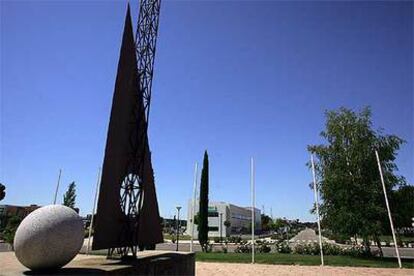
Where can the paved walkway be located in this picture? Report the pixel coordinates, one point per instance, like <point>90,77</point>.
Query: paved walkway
<point>222,269</point>
<point>308,236</point>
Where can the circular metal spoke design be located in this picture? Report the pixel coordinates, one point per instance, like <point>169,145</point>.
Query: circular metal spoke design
<point>132,195</point>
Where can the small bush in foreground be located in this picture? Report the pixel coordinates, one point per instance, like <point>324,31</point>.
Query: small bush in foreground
<point>243,248</point>
<point>264,248</point>
<point>283,247</point>
<point>234,239</point>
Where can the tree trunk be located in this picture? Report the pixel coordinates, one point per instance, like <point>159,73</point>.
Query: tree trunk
<point>378,242</point>
<point>367,248</point>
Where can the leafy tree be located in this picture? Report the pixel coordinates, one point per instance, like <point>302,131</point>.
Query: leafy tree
<point>69,197</point>
<point>2,191</point>
<point>203,211</point>
<point>402,205</point>
<point>352,200</point>
<point>10,229</point>
<point>278,224</point>
<point>266,222</point>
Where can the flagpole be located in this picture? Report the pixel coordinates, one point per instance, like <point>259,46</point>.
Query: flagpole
<point>315,189</point>
<point>253,203</point>
<point>388,209</point>
<point>57,186</point>
<point>93,210</point>
<point>193,209</point>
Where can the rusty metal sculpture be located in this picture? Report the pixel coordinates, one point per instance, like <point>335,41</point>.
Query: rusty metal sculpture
<point>127,216</point>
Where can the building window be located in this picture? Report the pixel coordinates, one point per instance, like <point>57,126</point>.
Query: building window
<point>213,214</point>
<point>240,217</point>
<point>213,228</point>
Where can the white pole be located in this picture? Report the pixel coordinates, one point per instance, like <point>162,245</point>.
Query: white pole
<point>253,203</point>
<point>193,209</point>
<point>93,210</point>
<point>388,209</point>
<point>57,186</point>
<point>315,189</point>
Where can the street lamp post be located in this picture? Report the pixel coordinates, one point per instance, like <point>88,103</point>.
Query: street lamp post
<point>253,204</point>
<point>315,190</point>
<point>93,211</point>
<point>388,209</point>
<point>193,210</point>
<point>178,225</point>
<point>57,187</point>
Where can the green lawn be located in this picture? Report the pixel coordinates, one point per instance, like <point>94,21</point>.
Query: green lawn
<point>296,259</point>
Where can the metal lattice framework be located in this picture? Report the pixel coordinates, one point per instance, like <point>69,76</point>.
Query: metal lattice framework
<point>146,40</point>
<point>132,188</point>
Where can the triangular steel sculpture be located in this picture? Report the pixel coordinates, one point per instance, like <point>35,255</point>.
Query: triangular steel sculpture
<point>127,214</point>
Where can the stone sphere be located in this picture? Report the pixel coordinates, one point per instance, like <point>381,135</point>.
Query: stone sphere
<point>49,237</point>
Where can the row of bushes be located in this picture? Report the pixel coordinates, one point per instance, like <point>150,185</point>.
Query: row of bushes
<point>305,249</point>
<point>403,239</point>
<point>328,249</point>
<point>232,239</point>
<point>247,248</point>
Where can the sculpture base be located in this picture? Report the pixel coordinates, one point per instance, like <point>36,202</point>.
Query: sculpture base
<point>147,263</point>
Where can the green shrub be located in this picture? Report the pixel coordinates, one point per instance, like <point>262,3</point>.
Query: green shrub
<point>331,249</point>
<point>328,249</point>
<point>243,248</point>
<point>260,247</point>
<point>235,239</point>
<point>10,229</point>
<point>306,249</point>
<point>280,236</point>
<point>264,248</point>
<point>314,249</point>
<point>283,247</point>
<point>356,251</point>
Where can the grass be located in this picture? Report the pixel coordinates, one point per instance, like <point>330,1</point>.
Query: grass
<point>296,259</point>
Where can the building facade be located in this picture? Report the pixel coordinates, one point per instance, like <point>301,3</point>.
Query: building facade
<point>225,219</point>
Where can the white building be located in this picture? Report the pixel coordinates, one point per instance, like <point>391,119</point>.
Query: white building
<point>220,212</point>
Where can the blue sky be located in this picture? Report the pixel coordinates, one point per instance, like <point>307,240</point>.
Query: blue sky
<point>240,79</point>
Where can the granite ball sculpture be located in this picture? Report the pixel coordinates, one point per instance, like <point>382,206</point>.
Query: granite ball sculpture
<point>49,237</point>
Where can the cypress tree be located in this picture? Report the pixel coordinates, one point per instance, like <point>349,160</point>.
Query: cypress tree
<point>2,191</point>
<point>70,196</point>
<point>203,212</point>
